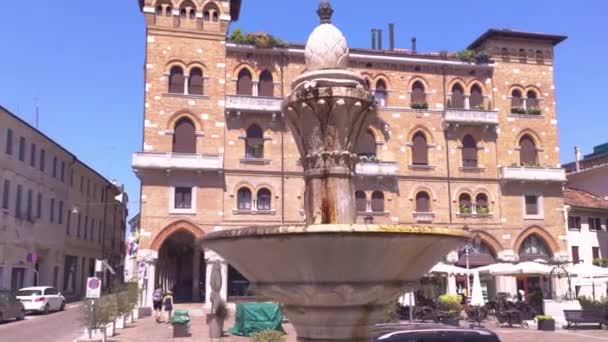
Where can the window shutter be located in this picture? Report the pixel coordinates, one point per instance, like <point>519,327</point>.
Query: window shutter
<point>266,86</point>
<point>418,94</point>
<point>361,201</point>
<point>377,201</point>
<point>195,83</point>
<point>457,97</point>
<point>244,85</point>
<point>531,205</point>
<point>184,137</point>
<point>476,98</point>
<point>176,81</point>
<point>527,151</point>
<point>469,152</point>
<point>420,150</point>
<point>422,202</point>
<point>367,145</point>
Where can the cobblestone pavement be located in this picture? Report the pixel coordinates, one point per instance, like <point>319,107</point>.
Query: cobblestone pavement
<point>147,330</point>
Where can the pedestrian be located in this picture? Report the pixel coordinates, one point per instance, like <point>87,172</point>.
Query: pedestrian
<point>157,301</point>
<point>168,305</point>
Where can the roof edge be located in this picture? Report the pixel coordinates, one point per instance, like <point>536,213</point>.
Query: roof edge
<point>506,33</point>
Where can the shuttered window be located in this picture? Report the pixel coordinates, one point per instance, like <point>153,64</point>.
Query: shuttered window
<point>244,84</point>
<point>420,150</point>
<point>184,137</point>
<point>476,98</point>
<point>176,80</point>
<point>195,82</point>
<point>575,257</point>
<point>378,201</point>
<point>423,202</point>
<point>469,151</point>
<point>266,86</point>
<point>457,97</point>
<point>531,205</point>
<point>527,151</point>
<point>366,146</point>
<point>531,100</point>
<point>516,99</point>
<point>418,94</point>
<point>360,201</point>
<point>264,199</point>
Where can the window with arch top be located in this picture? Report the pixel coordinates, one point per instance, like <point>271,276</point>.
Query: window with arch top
<point>504,52</point>
<point>418,99</point>
<point>195,82</point>
<point>264,199</point>
<point>420,150</point>
<point>540,59</point>
<point>469,151</point>
<point>457,98</point>
<point>266,85</point>
<point>168,11</point>
<point>159,10</point>
<point>176,80</point>
<point>184,136</point>
<point>528,155</point>
<point>481,204</point>
<point>523,57</point>
<point>517,101</point>
<point>381,93</point>
<point>366,146</point>
<point>423,202</point>
<point>244,199</point>
<point>464,203</point>
<point>378,202</point>
<point>254,143</point>
<point>531,101</point>
<point>360,201</point>
<point>210,13</point>
<point>244,83</point>
<point>476,97</point>
<point>534,247</point>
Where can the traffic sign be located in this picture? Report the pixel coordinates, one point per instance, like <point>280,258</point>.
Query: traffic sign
<point>93,287</point>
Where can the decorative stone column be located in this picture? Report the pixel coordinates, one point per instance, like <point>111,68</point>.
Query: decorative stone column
<point>211,258</point>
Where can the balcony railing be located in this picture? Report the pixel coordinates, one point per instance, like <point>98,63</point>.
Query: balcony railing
<point>376,168</point>
<point>177,161</point>
<point>253,103</point>
<point>471,116</point>
<point>527,173</point>
<point>424,216</point>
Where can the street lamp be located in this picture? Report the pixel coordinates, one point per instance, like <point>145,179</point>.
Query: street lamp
<point>472,244</point>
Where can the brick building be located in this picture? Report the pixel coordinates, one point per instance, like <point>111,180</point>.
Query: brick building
<point>57,214</point>
<point>460,143</point>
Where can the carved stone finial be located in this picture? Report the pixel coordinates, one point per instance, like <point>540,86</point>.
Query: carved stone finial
<point>325,12</point>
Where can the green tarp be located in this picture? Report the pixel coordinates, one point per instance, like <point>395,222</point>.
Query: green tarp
<point>255,317</point>
<point>180,317</point>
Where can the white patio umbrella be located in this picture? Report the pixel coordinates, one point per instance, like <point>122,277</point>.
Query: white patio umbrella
<point>448,269</point>
<point>582,270</point>
<point>476,293</point>
<point>498,268</point>
<point>526,267</point>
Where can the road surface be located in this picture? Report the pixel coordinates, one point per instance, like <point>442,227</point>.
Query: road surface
<point>55,327</point>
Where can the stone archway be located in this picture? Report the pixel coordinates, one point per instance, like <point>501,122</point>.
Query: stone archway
<point>180,265</point>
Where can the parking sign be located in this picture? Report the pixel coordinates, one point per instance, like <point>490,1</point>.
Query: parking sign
<point>93,287</point>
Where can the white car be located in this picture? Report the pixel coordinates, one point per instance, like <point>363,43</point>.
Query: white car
<point>41,299</point>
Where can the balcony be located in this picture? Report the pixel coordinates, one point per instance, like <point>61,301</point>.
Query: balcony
<point>253,103</point>
<point>177,161</point>
<point>471,116</point>
<point>424,217</point>
<point>376,169</point>
<point>527,173</point>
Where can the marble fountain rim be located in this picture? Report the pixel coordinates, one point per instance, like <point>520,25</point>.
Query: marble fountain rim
<point>334,229</point>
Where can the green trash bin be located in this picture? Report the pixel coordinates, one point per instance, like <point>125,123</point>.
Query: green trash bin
<point>181,323</point>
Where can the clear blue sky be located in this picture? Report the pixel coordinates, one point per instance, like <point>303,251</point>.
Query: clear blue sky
<point>83,60</point>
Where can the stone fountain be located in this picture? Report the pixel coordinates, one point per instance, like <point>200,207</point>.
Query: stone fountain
<point>334,277</point>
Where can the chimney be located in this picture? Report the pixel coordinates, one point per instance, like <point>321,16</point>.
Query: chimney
<point>577,157</point>
<point>373,39</point>
<point>391,36</point>
<point>379,39</point>
<point>413,44</point>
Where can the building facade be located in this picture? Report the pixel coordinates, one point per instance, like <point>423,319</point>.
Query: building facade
<point>590,173</point>
<point>466,144</point>
<point>57,215</point>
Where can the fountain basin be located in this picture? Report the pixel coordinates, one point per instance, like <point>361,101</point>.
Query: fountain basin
<point>334,280</point>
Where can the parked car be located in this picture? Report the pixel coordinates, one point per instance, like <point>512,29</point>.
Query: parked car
<point>431,333</point>
<point>10,306</point>
<point>41,299</point>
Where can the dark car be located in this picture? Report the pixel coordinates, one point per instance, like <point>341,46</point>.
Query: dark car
<point>10,306</point>
<point>431,333</point>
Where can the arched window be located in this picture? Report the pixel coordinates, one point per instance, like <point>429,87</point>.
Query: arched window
<point>244,199</point>
<point>244,85</point>
<point>206,15</point>
<point>381,93</point>
<point>378,202</point>
<point>195,82</point>
<point>420,150</point>
<point>423,202</point>
<point>464,203</point>
<point>192,14</point>
<point>168,11</point>
<point>159,10</point>
<point>523,58</point>
<point>481,204</point>
<point>210,12</point>
<point>264,199</point>
<point>360,201</point>
<point>457,96</point>
<point>215,16</point>
<point>540,59</point>
<point>528,156</point>
<point>182,13</point>
<point>532,102</point>
<point>476,98</point>
<point>184,136</point>
<point>254,143</point>
<point>534,247</point>
<point>418,96</point>
<point>517,102</point>
<point>176,80</point>
<point>505,54</point>
<point>368,85</point>
<point>266,86</point>
<point>480,254</point>
<point>469,151</point>
<point>366,146</point>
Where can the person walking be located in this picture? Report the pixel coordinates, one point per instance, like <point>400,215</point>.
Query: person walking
<point>168,305</point>
<point>157,301</point>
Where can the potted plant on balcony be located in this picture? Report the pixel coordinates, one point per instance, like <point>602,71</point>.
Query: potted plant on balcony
<point>518,110</point>
<point>450,309</point>
<point>482,210</point>
<point>545,323</point>
<point>465,209</point>
<point>420,105</point>
<point>533,111</point>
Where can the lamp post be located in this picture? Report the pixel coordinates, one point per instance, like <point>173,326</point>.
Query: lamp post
<point>472,244</point>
